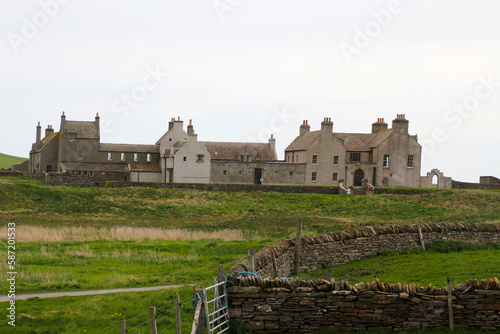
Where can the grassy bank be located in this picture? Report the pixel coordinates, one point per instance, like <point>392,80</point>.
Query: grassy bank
<point>8,160</point>
<point>272,214</point>
<point>456,259</point>
<point>103,264</point>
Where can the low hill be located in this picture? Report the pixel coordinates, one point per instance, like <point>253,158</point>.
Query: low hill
<point>272,214</point>
<point>8,160</point>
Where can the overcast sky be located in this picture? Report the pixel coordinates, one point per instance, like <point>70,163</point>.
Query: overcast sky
<point>242,69</point>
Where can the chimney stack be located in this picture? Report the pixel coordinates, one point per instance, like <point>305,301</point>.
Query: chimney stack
<point>400,124</point>
<point>190,129</point>
<point>171,123</point>
<point>272,142</point>
<point>304,128</point>
<point>178,122</point>
<point>49,130</point>
<point>379,125</point>
<point>326,126</point>
<point>38,133</point>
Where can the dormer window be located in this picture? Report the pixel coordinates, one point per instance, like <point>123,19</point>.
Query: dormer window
<point>355,156</point>
<point>249,158</point>
<point>242,158</point>
<point>136,157</point>
<point>71,137</point>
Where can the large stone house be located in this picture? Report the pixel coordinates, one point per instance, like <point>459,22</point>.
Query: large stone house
<point>178,156</point>
<point>386,157</point>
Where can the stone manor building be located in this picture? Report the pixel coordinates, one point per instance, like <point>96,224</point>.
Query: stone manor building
<point>385,156</point>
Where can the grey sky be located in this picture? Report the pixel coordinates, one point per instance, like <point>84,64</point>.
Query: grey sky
<point>235,64</point>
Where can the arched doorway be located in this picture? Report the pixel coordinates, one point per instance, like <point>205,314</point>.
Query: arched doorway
<point>435,181</point>
<point>358,177</point>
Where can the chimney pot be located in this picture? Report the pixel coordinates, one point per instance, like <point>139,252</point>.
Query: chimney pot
<point>178,118</point>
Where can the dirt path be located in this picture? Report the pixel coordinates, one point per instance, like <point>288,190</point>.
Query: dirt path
<point>5,298</point>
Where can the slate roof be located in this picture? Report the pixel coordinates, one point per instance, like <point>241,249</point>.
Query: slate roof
<point>352,141</point>
<point>87,130</point>
<point>303,142</point>
<point>232,150</point>
<point>131,148</point>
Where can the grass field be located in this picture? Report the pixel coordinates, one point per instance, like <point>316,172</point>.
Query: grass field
<point>271,214</point>
<point>8,160</point>
<point>456,259</point>
<point>81,238</point>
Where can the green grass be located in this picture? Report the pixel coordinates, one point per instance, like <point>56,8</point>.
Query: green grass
<point>99,313</point>
<point>456,259</point>
<point>8,160</point>
<point>272,214</point>
<point>76,265</point>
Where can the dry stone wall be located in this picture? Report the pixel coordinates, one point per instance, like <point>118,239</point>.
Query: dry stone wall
<point>340,247</point>
<point>298,306</point>
<point>276,305</point>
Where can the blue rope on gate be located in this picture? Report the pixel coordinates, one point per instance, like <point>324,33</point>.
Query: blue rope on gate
<point>247,272</point>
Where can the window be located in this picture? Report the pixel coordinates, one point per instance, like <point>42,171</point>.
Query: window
<point>224,172</point>
<point>313,177</point>
<point>409,164</point>
<point>291,173</point>
<point>148,157</point>
<point>73,173</point>
<point>80,154</point>
<point>85,173</point>
<point>315,159</point>
<point>71,137</point>
<point>79,173</point>
<point>199,158</point>
<point>355,156</point>
<point>169,139</point>
<point>184,159</point>
<point>249,158</point>
<point>386,160</point>
<point>242,158</point>
<point>49,168</point>
<point>240,172</point>
<point>91,174</point>
<point>110,156</point>
<point>334,178</point>
<point>122,157</point>
<point>335,159</point>
<point>136,157</point>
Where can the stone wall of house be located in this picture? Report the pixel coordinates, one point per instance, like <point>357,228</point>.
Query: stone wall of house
<point>341,247</point>
<point>298,306</point>
<point>275,305</point>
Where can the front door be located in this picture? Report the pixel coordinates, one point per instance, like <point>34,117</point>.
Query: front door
<point>358,177</point>
<point>170,175</point>
<point>257,176</point>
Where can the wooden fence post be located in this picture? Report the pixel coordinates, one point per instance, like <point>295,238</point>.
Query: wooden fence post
<point>275,266</point>
<point>251,260</point>
<point>123,327</point>
<point>177,314</point>
<point>297,247</point>
<point>152,316</point>
<point>450,305</point>
<point>201,318</point>
<point>421,237</point>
